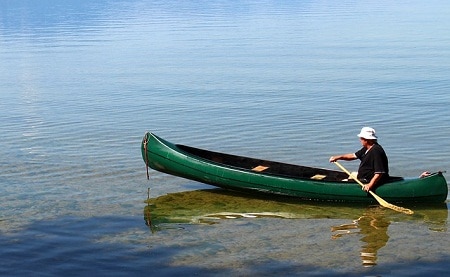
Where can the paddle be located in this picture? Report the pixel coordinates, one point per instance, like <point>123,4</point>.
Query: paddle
<point>380,200</point>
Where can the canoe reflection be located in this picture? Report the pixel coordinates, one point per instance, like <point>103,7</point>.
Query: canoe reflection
<point>368,223</point>
<point>193,206</point>
<point>212,205</point>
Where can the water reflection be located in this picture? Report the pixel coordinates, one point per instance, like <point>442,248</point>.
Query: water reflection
<point>212,205</point>
<point>369,225</point>
<point>373,226</point>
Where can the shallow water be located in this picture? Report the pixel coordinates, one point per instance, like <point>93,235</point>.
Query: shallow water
<point>81,81</point>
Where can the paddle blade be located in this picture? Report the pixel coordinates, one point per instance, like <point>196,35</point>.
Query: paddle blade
<point>386,204</point>
<point>380,200</point>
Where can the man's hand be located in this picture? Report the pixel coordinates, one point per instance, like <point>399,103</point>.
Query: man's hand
<point>366,188</point>
<point>425,174</point>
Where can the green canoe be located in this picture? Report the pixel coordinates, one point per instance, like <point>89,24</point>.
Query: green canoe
<point>262,176</point>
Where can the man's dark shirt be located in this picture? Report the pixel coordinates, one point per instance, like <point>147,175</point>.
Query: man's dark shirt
<point>374,161</point>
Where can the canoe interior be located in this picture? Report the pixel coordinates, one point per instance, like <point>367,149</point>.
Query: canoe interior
<point>270,167</point>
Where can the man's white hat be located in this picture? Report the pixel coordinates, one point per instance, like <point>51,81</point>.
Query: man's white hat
<point>367,133</point>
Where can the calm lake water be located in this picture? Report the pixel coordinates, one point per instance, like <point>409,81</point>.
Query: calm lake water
<point>291,81</point>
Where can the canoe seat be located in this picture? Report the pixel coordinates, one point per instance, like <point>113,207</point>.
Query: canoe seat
<point>260,168</point>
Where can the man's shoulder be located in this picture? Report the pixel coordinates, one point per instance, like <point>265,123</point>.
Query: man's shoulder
<point>378,147</point>
<point>378,150</point>
<point>360,152</point>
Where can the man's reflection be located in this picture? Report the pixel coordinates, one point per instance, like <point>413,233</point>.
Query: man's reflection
<point>373,226</point>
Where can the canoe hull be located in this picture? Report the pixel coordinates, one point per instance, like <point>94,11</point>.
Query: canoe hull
<point>169,158</point>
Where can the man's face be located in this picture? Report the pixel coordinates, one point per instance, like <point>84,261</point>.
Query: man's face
<point>363,142</point>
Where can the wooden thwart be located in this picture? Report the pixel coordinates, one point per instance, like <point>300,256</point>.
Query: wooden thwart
<point>318,177</point>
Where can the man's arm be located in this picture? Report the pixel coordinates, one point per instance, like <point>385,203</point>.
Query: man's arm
<point>376,177</point>
<point>345,157</point>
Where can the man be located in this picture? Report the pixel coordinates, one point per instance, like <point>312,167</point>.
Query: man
<point>374,167</point>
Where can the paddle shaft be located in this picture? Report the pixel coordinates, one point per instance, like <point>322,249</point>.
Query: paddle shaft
<point>349,174</point>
